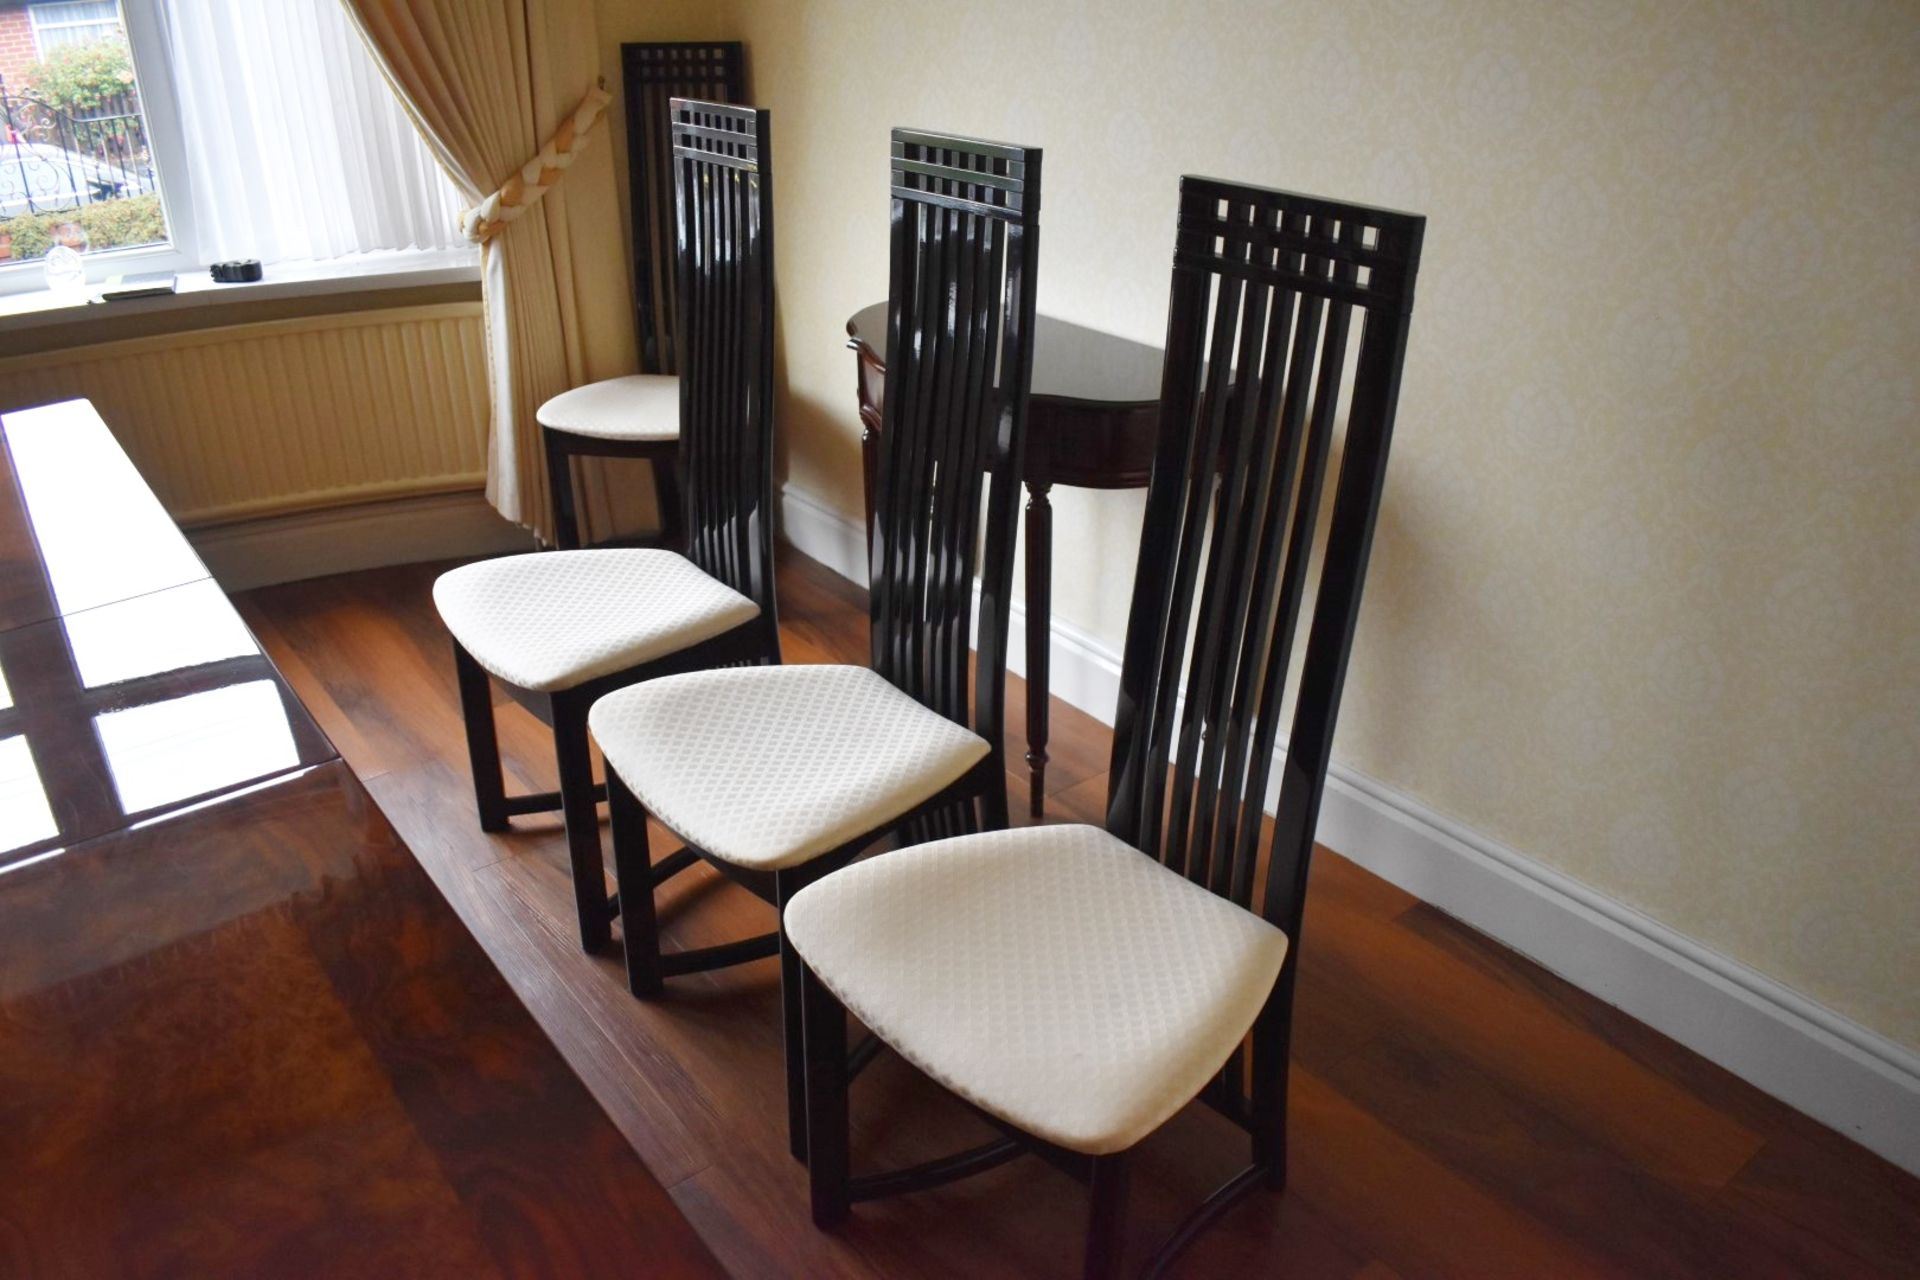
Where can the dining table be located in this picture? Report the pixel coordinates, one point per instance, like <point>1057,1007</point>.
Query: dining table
<point>242,1033</point>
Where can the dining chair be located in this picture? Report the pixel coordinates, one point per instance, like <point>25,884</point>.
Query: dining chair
<point>561,628</point>
<point>1079,985</point>
<point>638,415</point>
<point>777,775</point>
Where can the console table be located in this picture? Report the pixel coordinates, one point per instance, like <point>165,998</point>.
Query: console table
<point>1091,416</point>
<point>244,1033</point>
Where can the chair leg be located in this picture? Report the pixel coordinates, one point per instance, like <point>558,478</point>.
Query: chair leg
<point>483,740</point>
<point>1271,1067</point>
<point>666,490</point>
<point>828,1133</point>
<point>566,517</point>
<point>993,805</point>
<point>575,760</point>
<point>793,1035</point>
<point>770,642</point>
<point>1270,1119</point>
<point>1270,1147</point>
<point>1107,1218</point>
<point>633,872</point>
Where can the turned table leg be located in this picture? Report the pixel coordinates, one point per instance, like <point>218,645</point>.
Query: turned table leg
<point>1039,637</point>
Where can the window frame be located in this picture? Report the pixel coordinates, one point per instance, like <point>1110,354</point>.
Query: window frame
<point>159,104</point>
<point>35,22</point>
<point>149,46</point>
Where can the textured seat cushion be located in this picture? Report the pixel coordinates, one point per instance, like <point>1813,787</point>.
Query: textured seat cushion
<point>640,406</point>
<point>768,767</point>
<point>1054,976</point>
<point>551,620</point>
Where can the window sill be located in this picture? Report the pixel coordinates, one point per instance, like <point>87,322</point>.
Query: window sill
<point>41,309</point>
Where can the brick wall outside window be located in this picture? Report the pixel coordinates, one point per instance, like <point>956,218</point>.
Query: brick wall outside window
<point>17,50</point>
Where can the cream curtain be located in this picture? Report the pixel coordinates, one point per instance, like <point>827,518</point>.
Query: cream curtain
<point>488,83</point>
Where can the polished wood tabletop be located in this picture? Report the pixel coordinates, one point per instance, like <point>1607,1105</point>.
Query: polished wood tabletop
<point>1070,361</point>
<point>241,1031</point>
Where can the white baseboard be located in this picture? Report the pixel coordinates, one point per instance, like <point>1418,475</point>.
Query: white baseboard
<point>1083,673</point>
<point>1833,1069</point>
<point>312,544</point>
<point>815,528</point>
<point>1836,1071</point>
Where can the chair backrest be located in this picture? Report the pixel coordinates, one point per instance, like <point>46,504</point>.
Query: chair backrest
<point>959,362</point>
<point>1267,286</point>
<point>723,203</point>
<point>653,75</point>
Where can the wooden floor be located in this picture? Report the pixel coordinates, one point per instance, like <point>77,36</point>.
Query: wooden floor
<point>1456,1109</point>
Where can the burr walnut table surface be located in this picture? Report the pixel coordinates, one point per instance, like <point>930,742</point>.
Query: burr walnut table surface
<point>241,1031</point>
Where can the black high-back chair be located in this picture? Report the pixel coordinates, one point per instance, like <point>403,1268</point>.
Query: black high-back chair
<point>562,628</point>
<point>779,775</point>
<point>723,343</point>
<point>652,76</point>
<point>960,301</point>
<point>636,415</point>
<point>1115,986</point>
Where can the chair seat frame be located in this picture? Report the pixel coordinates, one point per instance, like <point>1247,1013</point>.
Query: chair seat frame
<point>663,456</point>
<point>753,643</point>
<point>638,876</point>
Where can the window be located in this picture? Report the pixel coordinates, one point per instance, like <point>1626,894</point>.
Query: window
<point>76,164</point>
<point>74,22</point>
<point>157,135</point>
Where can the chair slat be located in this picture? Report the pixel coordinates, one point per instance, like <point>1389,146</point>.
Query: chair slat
<point>1242,803</point>
<point>1265,425</point>
<point>1210,671</point>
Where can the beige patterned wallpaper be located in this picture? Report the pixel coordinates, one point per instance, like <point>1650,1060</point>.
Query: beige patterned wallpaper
<point>1645,603</point>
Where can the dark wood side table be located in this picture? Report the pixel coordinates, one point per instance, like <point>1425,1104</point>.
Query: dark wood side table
<point>1091,418</point>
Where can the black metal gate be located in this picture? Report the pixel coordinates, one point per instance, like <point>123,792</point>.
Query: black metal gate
<point>53,160</point>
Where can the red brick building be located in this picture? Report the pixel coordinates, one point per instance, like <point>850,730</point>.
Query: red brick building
<point>17,48</point>
<point>29,29</point>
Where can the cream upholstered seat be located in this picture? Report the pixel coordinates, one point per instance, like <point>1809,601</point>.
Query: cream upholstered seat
<point>1056,977</point>
<point>639,406</point>
<point>553,620</point>
<point>769,767</point>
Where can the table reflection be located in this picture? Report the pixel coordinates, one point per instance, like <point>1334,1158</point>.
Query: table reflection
<point>148,635</point>
<point>25,816</point>
<point>241,1033</point>
<point>174,750</point>
<point>131,709</point>
<point>100,534</point>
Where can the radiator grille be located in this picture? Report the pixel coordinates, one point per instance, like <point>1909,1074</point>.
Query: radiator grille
<point>286,415</point>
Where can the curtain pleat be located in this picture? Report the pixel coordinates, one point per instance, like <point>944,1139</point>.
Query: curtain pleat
<point>485,84</point>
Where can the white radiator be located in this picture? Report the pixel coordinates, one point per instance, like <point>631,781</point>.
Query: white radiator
<point>285,415</point>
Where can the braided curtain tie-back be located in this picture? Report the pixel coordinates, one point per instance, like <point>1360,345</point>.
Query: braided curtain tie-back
<point>520,192</point>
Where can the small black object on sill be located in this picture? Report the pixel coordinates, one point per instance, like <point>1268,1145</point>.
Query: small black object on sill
<point>243,271</point>
<point>123,288</point>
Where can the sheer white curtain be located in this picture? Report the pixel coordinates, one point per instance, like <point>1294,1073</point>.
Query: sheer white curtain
<point>296,145</point>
